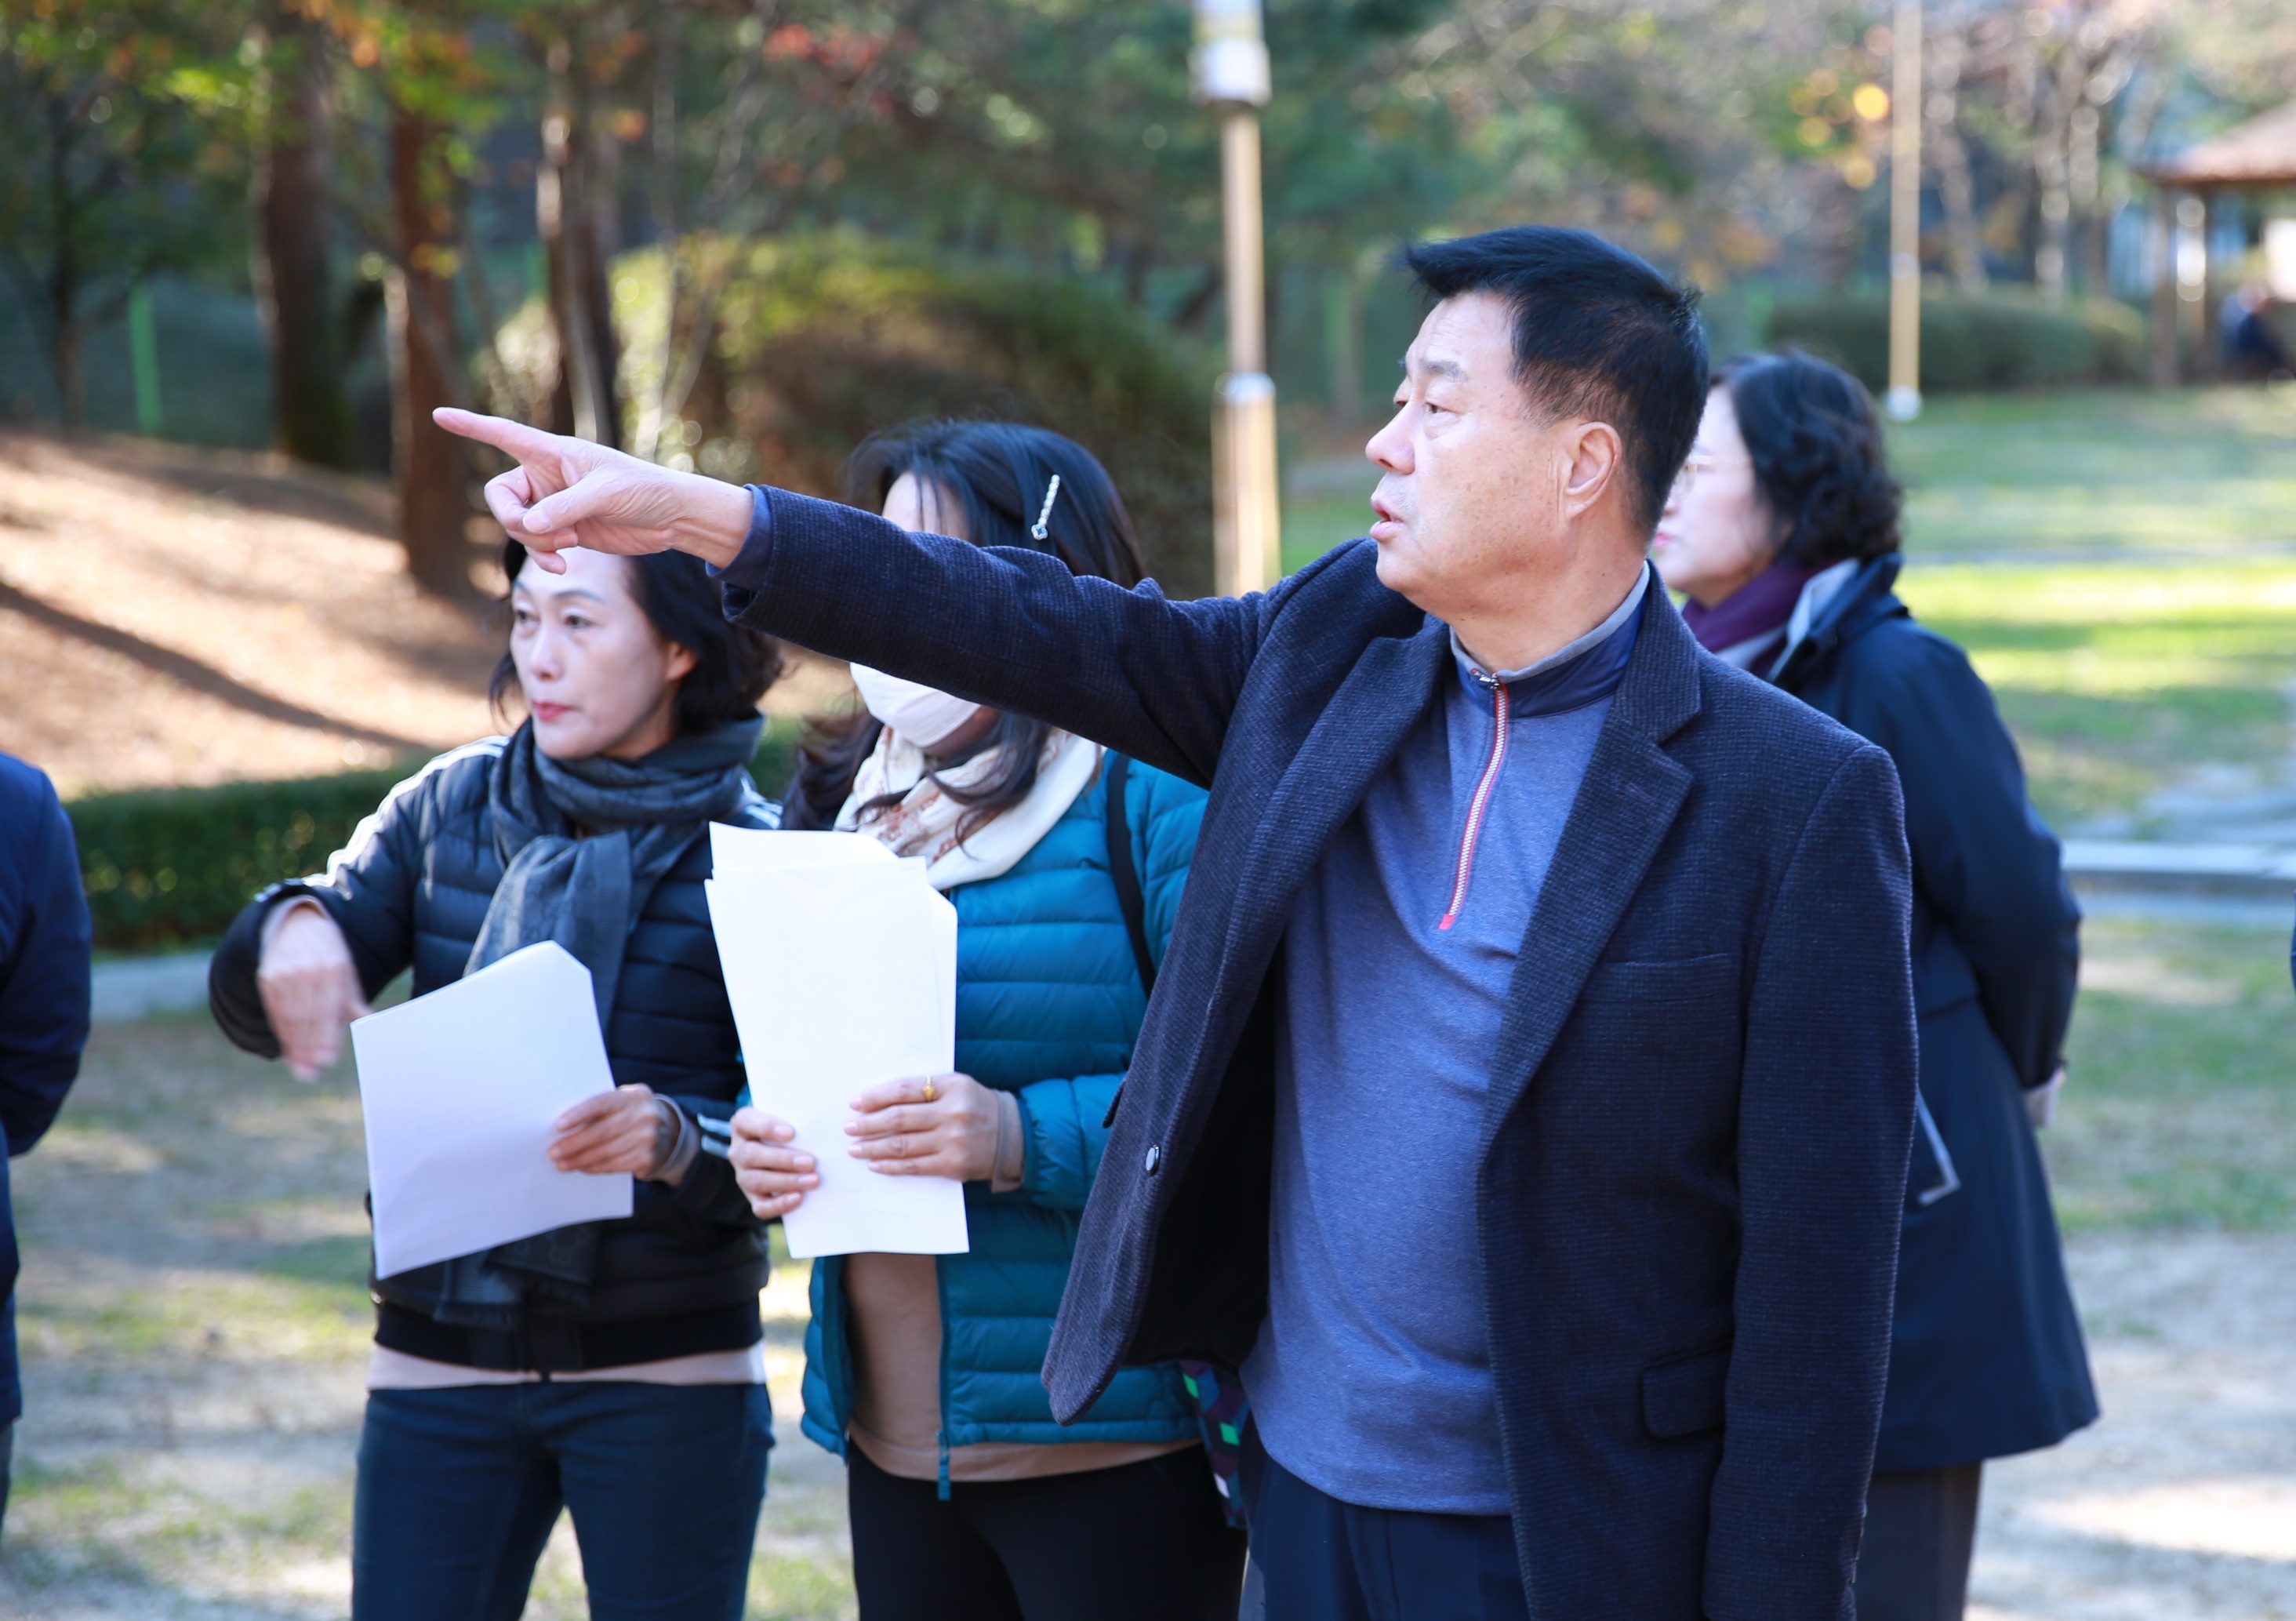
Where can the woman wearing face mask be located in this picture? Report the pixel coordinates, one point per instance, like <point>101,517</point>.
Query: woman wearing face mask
<point>1782,532</point>
<point>613,1368</point>
<point>967,1500</point>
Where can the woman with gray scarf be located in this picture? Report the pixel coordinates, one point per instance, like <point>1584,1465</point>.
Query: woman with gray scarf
<point>614,1369</point>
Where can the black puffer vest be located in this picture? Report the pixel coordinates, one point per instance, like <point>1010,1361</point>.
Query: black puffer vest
<point>681,1275</point>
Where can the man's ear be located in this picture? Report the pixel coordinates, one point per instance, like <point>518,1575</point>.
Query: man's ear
<point>1597,458</point>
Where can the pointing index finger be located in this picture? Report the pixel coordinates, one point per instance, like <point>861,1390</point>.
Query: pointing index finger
<point>512,438</point>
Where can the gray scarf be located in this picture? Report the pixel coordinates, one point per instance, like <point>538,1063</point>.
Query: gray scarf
<point>583,842</point>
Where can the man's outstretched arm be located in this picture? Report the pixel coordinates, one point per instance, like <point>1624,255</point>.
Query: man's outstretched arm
<point>1154,678</point>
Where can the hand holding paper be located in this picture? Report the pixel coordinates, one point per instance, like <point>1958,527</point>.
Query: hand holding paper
<point>940,1126</point>
<point>840,963</point>
<point>775,1176</point>
<point>462,1089</point>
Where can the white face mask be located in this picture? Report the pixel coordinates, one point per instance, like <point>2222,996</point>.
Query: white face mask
<point>920,713</point>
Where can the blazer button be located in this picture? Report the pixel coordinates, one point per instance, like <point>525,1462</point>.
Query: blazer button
<point>1155,1158</point>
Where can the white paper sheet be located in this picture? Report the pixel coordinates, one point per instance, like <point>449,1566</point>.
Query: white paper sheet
<point>840,963</point>
<point>460,1088</point>
<point>747,849</point>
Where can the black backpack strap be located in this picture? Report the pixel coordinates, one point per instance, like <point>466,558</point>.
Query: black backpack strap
<point>1127,876</point>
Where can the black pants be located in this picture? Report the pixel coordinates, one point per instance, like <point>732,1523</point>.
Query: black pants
<point>7,1460</point>
<point>458,1489</point>
<point>1143,1542</point>
<point>1921,1528</point>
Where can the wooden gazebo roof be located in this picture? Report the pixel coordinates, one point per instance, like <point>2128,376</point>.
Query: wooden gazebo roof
<point>2259,154</point>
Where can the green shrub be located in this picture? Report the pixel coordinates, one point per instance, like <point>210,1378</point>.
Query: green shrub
<point>1996,341</point>
<point>173,866</point>
<point>166,866</point>
<point>824,339</point>
<point>775,760</point>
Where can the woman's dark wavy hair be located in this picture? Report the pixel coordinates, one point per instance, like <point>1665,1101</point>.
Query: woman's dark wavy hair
<point>733,665</point>
<point>997,473</point>
<point>1818,456</point>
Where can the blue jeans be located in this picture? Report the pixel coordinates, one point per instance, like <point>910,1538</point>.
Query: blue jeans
<point>1318,1558</point>
<point>458,1490</point>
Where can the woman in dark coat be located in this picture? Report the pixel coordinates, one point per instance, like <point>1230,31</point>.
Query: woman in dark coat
<point>1782,532</point>
<point>613,1368</point>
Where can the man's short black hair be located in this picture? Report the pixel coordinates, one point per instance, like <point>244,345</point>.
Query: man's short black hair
<point>1598,333</point>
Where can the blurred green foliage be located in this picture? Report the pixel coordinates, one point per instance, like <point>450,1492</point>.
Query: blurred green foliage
<point>824,339</point>
<point>124,124</point>
<point>1999,340</point>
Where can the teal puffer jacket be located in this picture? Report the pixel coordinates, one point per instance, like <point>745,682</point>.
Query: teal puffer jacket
<point>1048,1003</point>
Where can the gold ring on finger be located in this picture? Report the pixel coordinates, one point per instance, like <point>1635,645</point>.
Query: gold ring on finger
<point>931,1092</point>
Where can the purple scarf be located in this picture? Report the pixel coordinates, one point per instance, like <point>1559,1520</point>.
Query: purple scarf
<point>1761,606</point>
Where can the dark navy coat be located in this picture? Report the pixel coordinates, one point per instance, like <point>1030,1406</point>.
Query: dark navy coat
<point>1985,1356</point>
<point>1693,1159</point>
<point>43,994</point>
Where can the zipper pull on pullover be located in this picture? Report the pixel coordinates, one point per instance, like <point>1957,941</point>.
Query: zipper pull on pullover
<point>1479,807</point>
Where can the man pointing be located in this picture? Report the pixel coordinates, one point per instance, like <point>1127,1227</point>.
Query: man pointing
<point>1524,1100</point>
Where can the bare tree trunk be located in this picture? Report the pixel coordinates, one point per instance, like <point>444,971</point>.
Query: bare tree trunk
<point>2051,134</point>
<point>568,216</point>
<point>433,501</point>
<point>293,274</point>
<point>63,351</point>
<point>653,410</point>
<point>2020,113</point>
<point>63,288</point>
<point>601,232</point>
<point>1343,320</point>
<point>1964,246</point>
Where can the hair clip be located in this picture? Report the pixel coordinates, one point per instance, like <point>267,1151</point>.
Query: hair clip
<point>1043,525</point>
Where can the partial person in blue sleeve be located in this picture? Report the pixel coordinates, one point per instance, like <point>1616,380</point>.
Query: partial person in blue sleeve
<point>44,998</point>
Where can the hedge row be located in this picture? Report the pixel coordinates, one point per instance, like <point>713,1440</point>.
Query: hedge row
<point>168,865</point>
<point>172,866</point>
<point>1999,340</point>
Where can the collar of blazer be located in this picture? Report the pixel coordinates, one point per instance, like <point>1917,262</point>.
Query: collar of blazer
<point>1384,694</point>
<point>1630,795</point>
<point>1633,790</point>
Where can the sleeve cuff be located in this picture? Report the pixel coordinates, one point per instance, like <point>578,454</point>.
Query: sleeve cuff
<point>285,907</point>
<point>1011,1146</point>
<point>745,575</point>
<point>684,1149</point>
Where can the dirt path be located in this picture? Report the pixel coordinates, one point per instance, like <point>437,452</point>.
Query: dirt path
<point>2180,1505</point>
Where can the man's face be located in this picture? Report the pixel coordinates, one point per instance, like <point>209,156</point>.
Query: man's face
<point>1471,499</point>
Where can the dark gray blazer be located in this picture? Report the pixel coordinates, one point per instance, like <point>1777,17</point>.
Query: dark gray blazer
<point>1701,1094</point>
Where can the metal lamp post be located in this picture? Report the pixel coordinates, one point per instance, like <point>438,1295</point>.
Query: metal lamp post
<point>1229,68</point>
<point>1905,395</point>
